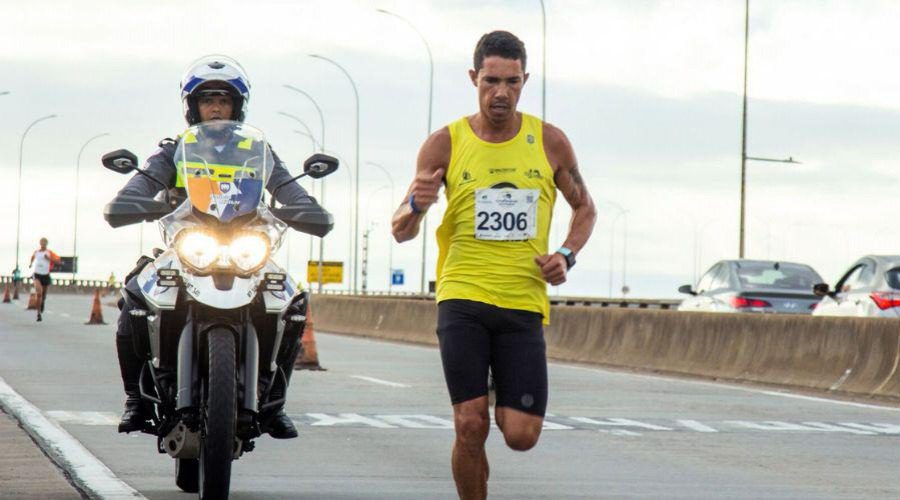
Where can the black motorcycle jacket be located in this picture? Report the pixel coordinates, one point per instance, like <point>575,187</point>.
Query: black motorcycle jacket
<point>161,165</point>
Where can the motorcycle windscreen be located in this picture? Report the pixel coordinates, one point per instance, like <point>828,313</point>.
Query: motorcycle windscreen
<point>224,167</point>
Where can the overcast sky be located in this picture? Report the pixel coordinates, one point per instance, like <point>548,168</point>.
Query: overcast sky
<point>649,92</point>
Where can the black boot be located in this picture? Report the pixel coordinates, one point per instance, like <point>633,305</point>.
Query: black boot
<point>134,418</point>
<point>281,427</point>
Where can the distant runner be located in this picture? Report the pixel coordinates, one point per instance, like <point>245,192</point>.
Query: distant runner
<point>501,169</point>
<point>43,261</point>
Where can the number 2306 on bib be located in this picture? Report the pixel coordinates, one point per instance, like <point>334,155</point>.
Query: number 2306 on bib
<point>506,214</point>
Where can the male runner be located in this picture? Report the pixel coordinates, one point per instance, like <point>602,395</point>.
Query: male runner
<point>43,260</point>
<point>501,169</point>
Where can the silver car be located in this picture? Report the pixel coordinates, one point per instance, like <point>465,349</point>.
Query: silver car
<point>760,286</point>
<point>870,288</point>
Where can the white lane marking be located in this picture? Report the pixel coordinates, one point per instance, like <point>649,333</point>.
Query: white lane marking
<point>86,470</point>
<point>65,315</point>
<point>696,426</point>
<point>379,381</point>
<point>323,419</point>
<point>607,425</point>
<point>877,428</point>
<point>805,426</point>
<point>621,422</point>
<point>417,421</point>
<point>619,432</point>
<point>723,385</point>
<point>83,417</point>
<point>822,426</point>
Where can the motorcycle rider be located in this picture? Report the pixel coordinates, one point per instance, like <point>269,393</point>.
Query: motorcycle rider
<point>214,88</point>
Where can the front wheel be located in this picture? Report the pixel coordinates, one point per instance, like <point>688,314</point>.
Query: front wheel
<point>217,446</point>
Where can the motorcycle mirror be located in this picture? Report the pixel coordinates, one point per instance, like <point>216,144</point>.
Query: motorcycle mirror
<point>121,161</point>
<point>319,165</point>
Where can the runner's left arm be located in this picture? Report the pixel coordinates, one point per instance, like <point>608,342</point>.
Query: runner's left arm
<point>584,214</point>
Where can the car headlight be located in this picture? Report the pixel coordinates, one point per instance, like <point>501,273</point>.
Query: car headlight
<point>197,249</point>
<point>249,251</point>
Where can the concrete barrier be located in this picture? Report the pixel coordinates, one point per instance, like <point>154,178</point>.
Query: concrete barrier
<point>857,356</point>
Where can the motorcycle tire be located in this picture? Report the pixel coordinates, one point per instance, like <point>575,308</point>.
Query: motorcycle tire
<point>217,446</point>
<point>187,474</point>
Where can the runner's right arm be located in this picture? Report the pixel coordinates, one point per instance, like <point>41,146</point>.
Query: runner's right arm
<point>431,165</point>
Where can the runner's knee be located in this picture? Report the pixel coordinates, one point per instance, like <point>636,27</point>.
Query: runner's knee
<point>472,428</point>
<point>522,438</point>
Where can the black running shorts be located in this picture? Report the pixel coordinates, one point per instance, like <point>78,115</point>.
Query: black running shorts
<point>43,279</point>
<point>474,336</point>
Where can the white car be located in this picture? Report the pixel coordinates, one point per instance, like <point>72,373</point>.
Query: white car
<point>870,288</point>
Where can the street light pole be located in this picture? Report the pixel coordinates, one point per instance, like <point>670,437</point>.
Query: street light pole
<point>75,215</point>
<point>612,244</point>
<point>744,156</point>
<point>349,226</point>
<point>356,166</point>
<point>322,184</point>
<point>318,109</point>
<point>744,130</point>
<point>19,196</point>
<point>391,242</point>
<point>430,100</point>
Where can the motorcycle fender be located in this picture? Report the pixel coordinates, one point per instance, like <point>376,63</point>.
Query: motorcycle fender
<point>187,367</point>
<point>250,367</point>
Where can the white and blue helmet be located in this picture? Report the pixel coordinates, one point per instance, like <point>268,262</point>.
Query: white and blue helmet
<point>215,68</point>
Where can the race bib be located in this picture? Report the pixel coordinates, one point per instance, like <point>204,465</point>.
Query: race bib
<point>506,214</point>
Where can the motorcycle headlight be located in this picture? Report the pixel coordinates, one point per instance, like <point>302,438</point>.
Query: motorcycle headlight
<point>249,251</point>
<point>197,249</point>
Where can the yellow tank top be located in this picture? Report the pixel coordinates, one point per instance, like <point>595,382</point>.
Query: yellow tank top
<point>500,199</point>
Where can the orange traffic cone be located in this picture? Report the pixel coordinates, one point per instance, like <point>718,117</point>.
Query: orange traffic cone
<point>309,357</point>
<point>6,299</point>
<point>32,302</point>
<point>96,312</point>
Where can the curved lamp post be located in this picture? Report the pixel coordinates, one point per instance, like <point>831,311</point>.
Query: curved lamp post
<point>19,196</point>
<point>430,100</point>
<point>75,215</point>
<point>356,167</point>
<point>349,227</point>
<point>391,242</point>
<point>321,148</point>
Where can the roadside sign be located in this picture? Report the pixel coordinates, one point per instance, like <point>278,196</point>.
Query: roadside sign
<point>66,265</point>
<point>396,276</point>
<point>332,271</point>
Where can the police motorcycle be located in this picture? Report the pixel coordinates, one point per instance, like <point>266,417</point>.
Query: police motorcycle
<point>216,306</point>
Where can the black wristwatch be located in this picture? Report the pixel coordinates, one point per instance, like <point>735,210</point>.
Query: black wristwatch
<point>569,255</point>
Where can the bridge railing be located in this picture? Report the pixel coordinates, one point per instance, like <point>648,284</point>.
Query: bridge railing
<point>556,300</point>
<point>80,285</point>
<point>64,285</point>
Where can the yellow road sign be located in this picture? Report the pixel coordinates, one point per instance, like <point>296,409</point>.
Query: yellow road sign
<point>332,271</point>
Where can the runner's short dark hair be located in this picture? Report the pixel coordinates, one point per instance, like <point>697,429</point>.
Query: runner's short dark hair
<point>499,43</point>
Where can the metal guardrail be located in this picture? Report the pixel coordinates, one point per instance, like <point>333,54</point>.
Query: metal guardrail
<point>82,285</point>
<point>63,283</point>
<point>554,300</point>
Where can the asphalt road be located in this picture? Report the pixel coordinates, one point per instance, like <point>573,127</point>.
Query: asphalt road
<point>377,425</point>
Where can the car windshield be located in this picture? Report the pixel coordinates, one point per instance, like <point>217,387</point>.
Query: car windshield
<point>759,275</point>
